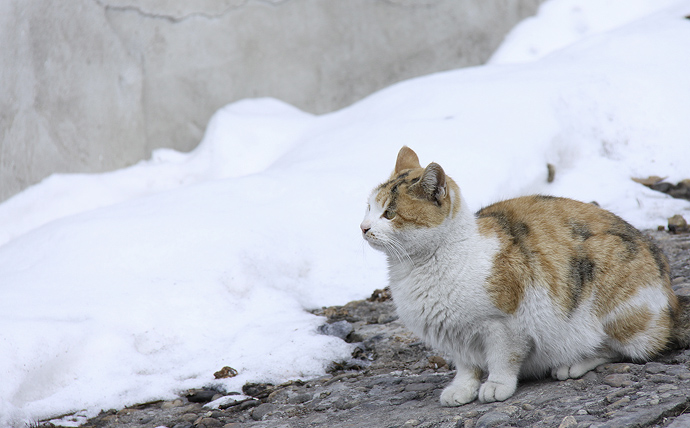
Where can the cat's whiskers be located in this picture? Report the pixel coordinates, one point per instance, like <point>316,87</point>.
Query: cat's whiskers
<point>398,250</point>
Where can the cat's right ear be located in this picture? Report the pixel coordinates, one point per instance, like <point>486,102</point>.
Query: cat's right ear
<point>407,159</point>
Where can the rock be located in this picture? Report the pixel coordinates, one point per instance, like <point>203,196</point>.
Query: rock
<point>209,423</point>
<point>618,380</point>
<point>662,378</point>
<point>339,329</point>
<point>682,421</point>
<point>654,367</point>
<point>300,398</point>
<point>262,410</point>
<point>568,422</point>
<point>678,224</point>
<point>419,387</point>
<point>258,390</point>
<point>492,419</point>
<point>201,395</point>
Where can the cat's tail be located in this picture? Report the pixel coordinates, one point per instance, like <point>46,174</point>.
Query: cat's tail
<point>680,333</point>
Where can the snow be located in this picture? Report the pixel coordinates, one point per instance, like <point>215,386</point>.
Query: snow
<point>137,284</point>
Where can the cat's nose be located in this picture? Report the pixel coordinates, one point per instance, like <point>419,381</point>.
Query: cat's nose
<point>365,227</point>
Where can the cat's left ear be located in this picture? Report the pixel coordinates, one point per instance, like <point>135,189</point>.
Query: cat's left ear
<point>432,184</point>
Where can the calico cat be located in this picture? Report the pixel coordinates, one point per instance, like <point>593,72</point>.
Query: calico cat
<point>524,287</point>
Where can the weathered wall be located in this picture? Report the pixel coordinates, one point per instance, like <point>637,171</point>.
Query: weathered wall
<point>94,85</point>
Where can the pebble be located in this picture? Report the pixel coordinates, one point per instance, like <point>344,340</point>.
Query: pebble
<point>618,380</point>
<point>209,423</point>
<point>492,419</point>
<point>619,403</point>
<point>568,422</point>
<point>201,395</point>
<point>300,398</point>
<point>614,368</point>
<point>262,410</point>
<point>339,329</point>
<point>662,378</point>
<point>682,421</point>
<point>419,387</point>
<point>654,367</point>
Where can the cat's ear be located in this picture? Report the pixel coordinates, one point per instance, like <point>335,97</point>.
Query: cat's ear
<point>432,184</point>
<point>407,159</point>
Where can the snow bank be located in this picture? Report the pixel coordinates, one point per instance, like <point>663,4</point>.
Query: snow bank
<point>134,285</point>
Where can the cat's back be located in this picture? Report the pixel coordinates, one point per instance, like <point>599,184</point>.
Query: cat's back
<point>577,251</point>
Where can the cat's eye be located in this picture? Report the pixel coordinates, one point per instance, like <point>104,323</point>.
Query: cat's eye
<point>388,214</point>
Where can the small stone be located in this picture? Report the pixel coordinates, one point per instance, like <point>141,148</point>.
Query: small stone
<point>262,410</point>
<point>339,329</point>
<point>201,395</point>
<point>684,376</point>
<point>172,404</point>
<point>411,423</point>
<point>662,378</point>
<point>344,403</point>
<point>386,318</point>
<point>300,398</point>
<point>508,410</point>
<point>677,224</point>
<point>189,417</point>
<point>404,397</point>
<point>568,422</point>
<point>667,387</point>
<point>620,403</point>
<point>419,387</point>
<point>654,368</point>
<point>245,405</point>
<point>682,421</point>
<point>615,395</point>
<point>210,423</point>
<point>492,419</point>
<point>257,390</point>
<point>614,368</point>
<point>618,380</point>
<point>527,406</point>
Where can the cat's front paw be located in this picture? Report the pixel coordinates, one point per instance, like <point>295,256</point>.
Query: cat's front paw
<point>494,391</point>
<point>457,395</point>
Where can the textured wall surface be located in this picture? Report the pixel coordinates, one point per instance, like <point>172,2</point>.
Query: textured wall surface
<point>94,85</point>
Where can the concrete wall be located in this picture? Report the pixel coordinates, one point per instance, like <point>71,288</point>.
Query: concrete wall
<point>94,85</point>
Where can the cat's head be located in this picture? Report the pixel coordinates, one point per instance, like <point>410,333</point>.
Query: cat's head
<point>406,213</point>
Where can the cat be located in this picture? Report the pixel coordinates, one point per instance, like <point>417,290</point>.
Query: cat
<point>525,287</point>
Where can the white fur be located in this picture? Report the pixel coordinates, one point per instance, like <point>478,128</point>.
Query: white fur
<point>438,280</point>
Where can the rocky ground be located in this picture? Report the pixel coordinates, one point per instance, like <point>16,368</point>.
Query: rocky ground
<point>393,380</point>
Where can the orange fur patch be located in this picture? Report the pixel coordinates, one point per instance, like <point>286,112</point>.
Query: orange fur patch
<point>575,248</point>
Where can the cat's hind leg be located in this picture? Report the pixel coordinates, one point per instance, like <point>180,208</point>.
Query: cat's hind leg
<point>464,387</point>
<point>578,369</point>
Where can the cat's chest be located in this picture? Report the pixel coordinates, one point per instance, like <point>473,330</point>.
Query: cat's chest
<point>443,298</point>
